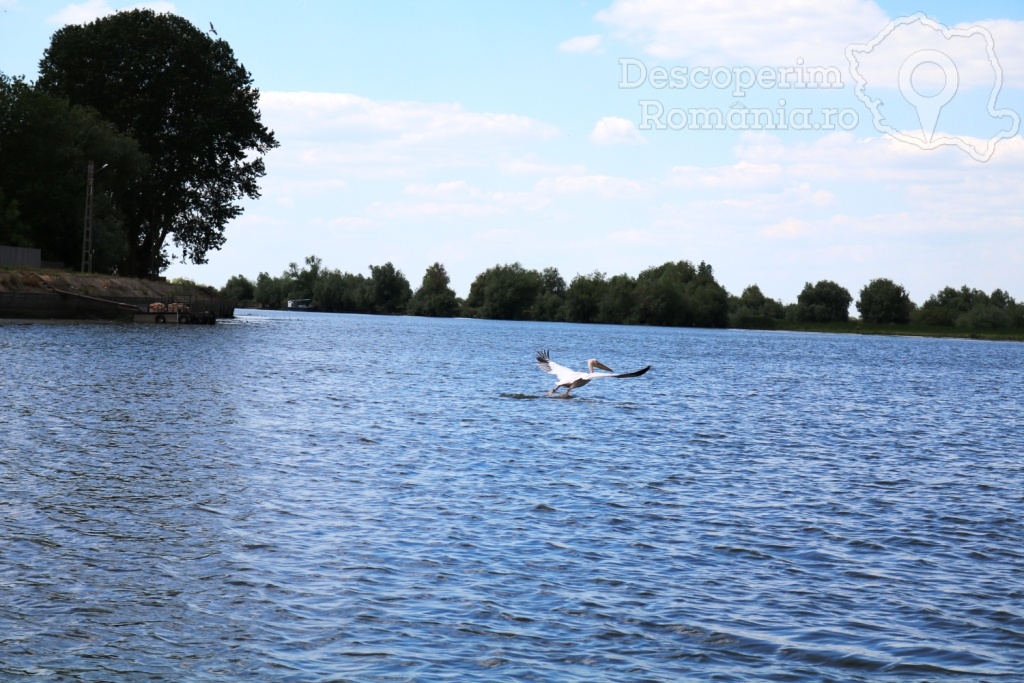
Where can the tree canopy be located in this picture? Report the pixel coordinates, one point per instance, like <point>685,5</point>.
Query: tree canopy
<point>752,309</point>
<point>391,289</point>
<point>971,308</point>
<point>435,298</point>
<point>505,292</point>
<point>823,302</point>
<point>193,111</point>
<point>884,301</point>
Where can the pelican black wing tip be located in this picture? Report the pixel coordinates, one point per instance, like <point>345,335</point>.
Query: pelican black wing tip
<point>635,373</point>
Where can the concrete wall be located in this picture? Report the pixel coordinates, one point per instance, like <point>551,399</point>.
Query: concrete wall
<point>19,256</point>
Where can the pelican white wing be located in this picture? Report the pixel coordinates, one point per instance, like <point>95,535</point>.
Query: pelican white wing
<point>571,379</point>
<point>549,366</point>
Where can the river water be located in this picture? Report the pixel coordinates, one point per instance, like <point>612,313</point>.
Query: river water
<point>315,497</point>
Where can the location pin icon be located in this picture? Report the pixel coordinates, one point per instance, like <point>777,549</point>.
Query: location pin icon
<point>929,106</point>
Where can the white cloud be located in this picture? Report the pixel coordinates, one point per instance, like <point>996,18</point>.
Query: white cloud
<point>748,32</point>
<point>331,136</point>
<point>348,223</point>
<point>744,176</point>
<point>606,186</point>
<point>790,228</point>
<point>499,236</point>
<point>83,13</point>
<point>455,198</point>
<point>581,44</point>
<point>462,191</point>
<point>419,210</point>
<point>451,188</point>
<point>873,199</point>
<point>842,157</point>
<point>779,32</point>
<point>614,130</point>
<point>309,115</point>
<point>307,186</point>
<point>635,237</point>
<point>532,166</point>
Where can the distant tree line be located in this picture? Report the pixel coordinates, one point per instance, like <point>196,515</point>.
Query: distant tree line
<point>674,294</point>
<point>385,291</point>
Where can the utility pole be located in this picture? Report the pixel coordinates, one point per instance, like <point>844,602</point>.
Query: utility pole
<point>87,232</point>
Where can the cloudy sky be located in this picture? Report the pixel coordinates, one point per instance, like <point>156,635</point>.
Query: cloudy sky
<point>781,141</point>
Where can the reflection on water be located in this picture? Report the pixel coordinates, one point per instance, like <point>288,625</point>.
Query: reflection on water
<point>306,496</point>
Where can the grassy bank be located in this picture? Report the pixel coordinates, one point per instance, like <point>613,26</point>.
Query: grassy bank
<point>41,280</point>
<point>39,293</point>
<point>858,327</point>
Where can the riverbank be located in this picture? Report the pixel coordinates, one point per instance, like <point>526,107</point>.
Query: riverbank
<point>938,331</point>
<point>58,294</point>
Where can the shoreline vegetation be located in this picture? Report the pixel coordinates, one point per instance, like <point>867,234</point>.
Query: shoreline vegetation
<point>674,294</point>
<point>28,280</point>
<point>909,330</point>
<point>383,293</point>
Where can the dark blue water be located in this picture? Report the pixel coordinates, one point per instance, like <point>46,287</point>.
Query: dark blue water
<point>306,497</point>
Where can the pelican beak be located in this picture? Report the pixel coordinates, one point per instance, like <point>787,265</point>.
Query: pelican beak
<point>599,364</point>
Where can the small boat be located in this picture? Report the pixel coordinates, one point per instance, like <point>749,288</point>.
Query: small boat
<point>300,304</point>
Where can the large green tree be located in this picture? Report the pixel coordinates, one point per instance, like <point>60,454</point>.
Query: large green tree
<point>505,292</point>
<point>884,301</point>
<point>584,296</point>
<point>339,292</point>
<point>678,294</point>
<point>434,297</point>
<point>193,110</point>
<point>619,302</point>
<point>550,302</point>
<point>661,297</point>
<point>752,309</point>
<point>391,289</point>
<point>240,288</point>
<point>710,300</point>
<point>270,292</point>
<point>823,302</point>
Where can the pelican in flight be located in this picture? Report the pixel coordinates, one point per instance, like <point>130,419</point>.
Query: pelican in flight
<point>570,379</point>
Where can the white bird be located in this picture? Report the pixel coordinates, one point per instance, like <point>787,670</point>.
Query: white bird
<point>570,379</point>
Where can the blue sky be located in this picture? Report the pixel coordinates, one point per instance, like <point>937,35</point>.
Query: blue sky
<point>483,133</point>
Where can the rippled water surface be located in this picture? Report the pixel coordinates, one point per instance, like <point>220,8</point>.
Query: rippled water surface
<point>309,497</point>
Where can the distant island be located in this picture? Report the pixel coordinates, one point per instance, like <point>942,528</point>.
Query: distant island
<point>675,294</point>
